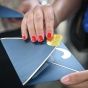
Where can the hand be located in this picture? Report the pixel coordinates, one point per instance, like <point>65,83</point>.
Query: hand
<point>27,5</point>
<point>76,80</point>
<point>24,7</point>
<point>38,23</point>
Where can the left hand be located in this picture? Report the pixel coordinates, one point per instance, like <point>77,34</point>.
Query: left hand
<point>39,23</point>
<point>23,8</point>
<point>76,80</point>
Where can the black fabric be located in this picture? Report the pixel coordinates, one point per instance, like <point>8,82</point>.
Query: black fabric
<point>8,76</point>
<point>78,36</point>
<point>14,33</point>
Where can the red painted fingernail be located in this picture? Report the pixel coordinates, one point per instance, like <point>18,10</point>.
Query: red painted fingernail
<point>49,35</point>
<point>40,38</point>
<point>24,37</point>
<point>33,39</point>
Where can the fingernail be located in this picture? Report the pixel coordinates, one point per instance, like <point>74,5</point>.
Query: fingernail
<point>49,35</point>
<point>65,80</point>
<point>40,38</point>
<point>33,39</point>
<point>24,37</point>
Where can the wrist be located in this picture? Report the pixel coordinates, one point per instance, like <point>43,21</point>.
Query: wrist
<point>33,2</point>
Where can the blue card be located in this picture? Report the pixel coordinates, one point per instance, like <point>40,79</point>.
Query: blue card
<point>27,57</point>
<point>61,63</point>
<point>9,13</point>
<point>37,62</point>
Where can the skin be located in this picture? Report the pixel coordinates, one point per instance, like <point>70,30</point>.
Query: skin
<point>23,8</point>
<point>76,80</point>
<point>43,19</point>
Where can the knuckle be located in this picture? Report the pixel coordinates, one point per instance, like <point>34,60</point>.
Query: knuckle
<point>38,17</point>
<point>75,78</point>
<point>46,6</point>
<point>50,18</point>
<point>37,7</point>
<point>49,27</point>
<point>29,20</point>
<point>29,17</point>
<point>49,14</point>
<point>26,15</point>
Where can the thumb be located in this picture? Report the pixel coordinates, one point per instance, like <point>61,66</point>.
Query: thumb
<point>75,78</point>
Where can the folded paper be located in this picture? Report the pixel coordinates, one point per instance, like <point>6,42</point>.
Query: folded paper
<point>39,62</point>
<point>27,57</point>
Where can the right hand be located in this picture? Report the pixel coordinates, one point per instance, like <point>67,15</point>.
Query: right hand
<point>39,23</point>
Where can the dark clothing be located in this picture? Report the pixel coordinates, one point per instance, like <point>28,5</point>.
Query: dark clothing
<point>8,76</point>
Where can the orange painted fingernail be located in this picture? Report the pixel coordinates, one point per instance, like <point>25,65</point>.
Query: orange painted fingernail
<point>24,37</point>
<point>49,35</point>
<point>40,38</point>
<point>33,39</point>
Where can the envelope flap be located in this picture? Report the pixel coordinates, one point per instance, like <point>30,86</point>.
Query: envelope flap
<point>61,63</point>
<point>41,70</point>
<point>26,57</point>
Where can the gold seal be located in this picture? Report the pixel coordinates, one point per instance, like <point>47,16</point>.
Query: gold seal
<point>55,41</point>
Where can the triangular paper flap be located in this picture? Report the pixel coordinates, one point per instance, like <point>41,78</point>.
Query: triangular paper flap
<point>51,73</point>
<point>40,70</point>
<point>63,56</point>
<point>65,63</point>
<point>26,57</point>
<point>9,13</point>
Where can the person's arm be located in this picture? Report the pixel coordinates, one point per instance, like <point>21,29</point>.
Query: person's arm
<point>43,19</point>
<point>27,5</point>
<point>65,8</point>
<point>24,7</point>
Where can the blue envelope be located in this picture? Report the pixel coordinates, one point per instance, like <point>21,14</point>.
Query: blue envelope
<point>38,62</point>
<point>9,13</point>
<point>27,57</point>
<point>61,63</point>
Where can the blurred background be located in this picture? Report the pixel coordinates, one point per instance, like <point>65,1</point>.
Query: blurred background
<point>62,29</point>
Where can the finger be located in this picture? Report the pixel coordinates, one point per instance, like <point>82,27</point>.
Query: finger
<point>24,28</point>
<point>24,7</point>
<point>75,78</point>
<point>80,85</point>
<point>49,20</point>
<point>30,25</point>
<point>38,21</point>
